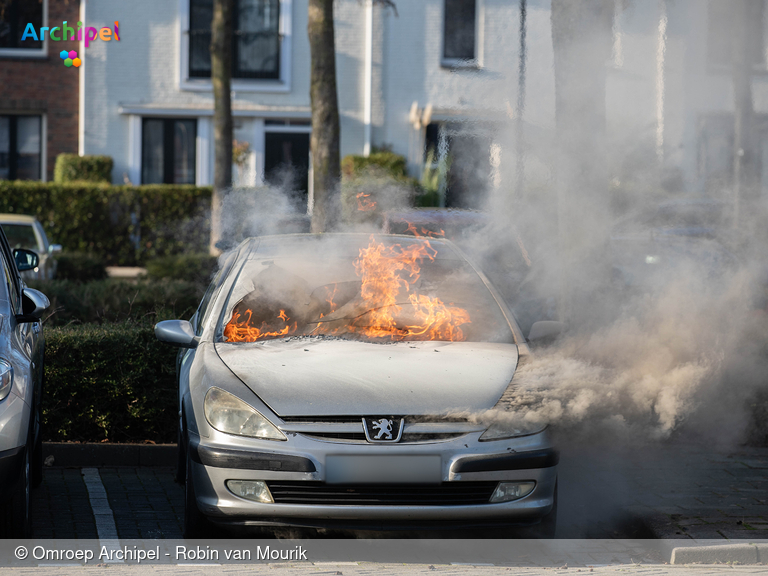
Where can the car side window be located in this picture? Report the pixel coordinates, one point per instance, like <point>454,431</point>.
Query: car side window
<point>10,274</point>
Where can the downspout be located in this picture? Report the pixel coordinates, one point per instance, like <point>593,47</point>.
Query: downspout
<point>368,90</point>
<point>81,87</point>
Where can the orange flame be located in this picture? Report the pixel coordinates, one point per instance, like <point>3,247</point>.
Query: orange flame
<point>242,331</point>
<point>384,271</point>
<point>364,203</point>
<point>424,232</point>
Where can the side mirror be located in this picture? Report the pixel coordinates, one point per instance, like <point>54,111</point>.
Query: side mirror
<point>176,333</point>
<point>33,304</point>
<point>25,259</point>
<point>54,248</point>
<point>545,329</point>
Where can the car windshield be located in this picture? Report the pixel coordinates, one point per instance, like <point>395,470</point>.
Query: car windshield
<point>21,236</point>
<point>378,289</point>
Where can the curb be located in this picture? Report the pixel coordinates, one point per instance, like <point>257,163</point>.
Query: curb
<point>73,455</point>
<point>726,553</point>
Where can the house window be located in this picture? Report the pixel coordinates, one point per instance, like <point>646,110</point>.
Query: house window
<point>255,39</point>
<point>20,147</point>
<point>168,151</point>
<point>14,17</point>
<point>459,31</point>
<point>723,31</point>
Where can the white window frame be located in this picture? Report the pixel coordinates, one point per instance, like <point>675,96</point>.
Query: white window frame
<point>477,61</point>
<point>282,84</point>
<point>30,52</point>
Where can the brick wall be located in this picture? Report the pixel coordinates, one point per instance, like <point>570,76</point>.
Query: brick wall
<point>46,86</point>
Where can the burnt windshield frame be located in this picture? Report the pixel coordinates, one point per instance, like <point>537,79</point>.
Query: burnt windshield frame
<point>287,248</point>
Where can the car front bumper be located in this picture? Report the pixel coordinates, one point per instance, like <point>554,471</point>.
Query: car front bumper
<point>304,460</point>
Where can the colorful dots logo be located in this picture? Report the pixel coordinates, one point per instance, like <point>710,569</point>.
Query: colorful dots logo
<point>70,58</point>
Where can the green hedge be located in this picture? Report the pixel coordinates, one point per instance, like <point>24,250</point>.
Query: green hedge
<point>197,267</point>
<point>74,168</point>
<point>113,383</point>
<point>80,267</point>
<point>393,164</point>
<point>115,300</point>
<point>123,225</point>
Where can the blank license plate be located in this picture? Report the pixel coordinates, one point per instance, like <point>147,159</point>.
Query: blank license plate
<point>383,469</point>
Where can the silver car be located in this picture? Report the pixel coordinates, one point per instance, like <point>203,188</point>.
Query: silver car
<point>348,381</point>
<point>26,232</point>
<point>21,379</point>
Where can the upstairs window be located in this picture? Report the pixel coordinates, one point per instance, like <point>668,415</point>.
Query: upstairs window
<point>14,17</point>
<point>723,32</point>
<point>459,31</point>
<point>255,39</point>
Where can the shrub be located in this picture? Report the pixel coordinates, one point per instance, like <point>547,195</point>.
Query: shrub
<point>115,300</point>
<point>123,225</point>
<point>374,184</point>
<point>91,396</point>
<point>74,168</point>
<point>197,267</point>
<point>393,164</point>
<point>80,267</point>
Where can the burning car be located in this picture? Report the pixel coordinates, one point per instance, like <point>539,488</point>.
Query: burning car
<point>353,381</point>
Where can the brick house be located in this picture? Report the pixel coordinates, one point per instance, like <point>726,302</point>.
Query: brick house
<point>39,96</point>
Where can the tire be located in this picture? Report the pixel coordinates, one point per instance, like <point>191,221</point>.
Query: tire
<point>196,525</point>
<point>15,521</point>
<point>36,472</point>
<point>181,458</point>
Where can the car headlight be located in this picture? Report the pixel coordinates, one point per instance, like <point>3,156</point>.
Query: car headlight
<point>501,430</point>
<point>6,379</point>
<point>228,414</point>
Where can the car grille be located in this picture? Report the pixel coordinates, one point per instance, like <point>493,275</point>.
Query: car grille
<point>407,438</point>
<point>319,493</point>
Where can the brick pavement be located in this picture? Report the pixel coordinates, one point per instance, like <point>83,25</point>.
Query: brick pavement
<point>673,490</point>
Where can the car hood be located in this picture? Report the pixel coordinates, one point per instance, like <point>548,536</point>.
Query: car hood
<point>328,377</point>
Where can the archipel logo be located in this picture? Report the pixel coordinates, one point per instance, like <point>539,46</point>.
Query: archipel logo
<point>70,58</point>
<point>89,33</point>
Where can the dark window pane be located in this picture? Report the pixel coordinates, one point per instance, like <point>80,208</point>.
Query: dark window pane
<point>257,42</point>
<point>14,17</point>
<point>200,17</point>
<point>21,236</point>
<point>459,39</point>
<point>5,148</point>
<point>152,153</point>
<point>28,147</point>
<point>184,152</point>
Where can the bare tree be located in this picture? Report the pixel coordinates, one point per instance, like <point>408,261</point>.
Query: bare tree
<point>221,76</point>
<point>325,117</point>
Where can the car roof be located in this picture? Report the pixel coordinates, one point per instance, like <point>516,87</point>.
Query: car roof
<point>17,219</point>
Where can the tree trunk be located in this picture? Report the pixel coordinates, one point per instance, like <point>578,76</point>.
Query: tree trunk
<point>221,73</point>
<point>581,39</point>
<point>325,118</point>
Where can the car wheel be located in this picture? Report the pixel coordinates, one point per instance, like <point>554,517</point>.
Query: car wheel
<point>15,522</point>
<point>196,525</point>
<point>181,457</point>
<point>37,457</point>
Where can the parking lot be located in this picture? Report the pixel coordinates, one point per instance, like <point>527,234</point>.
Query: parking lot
<point>669,490</point>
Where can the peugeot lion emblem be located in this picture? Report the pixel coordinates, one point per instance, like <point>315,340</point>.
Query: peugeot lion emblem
<point>383,429</point>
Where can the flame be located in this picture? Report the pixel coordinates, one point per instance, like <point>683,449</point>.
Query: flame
<point>424,232</point>
<point>385,272</point>
<point>364,203</point>
<point>242,331</point>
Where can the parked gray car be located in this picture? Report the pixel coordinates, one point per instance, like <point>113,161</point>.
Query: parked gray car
<point>26,232</point>
<point>21,388</point>
<point>350,381</point>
